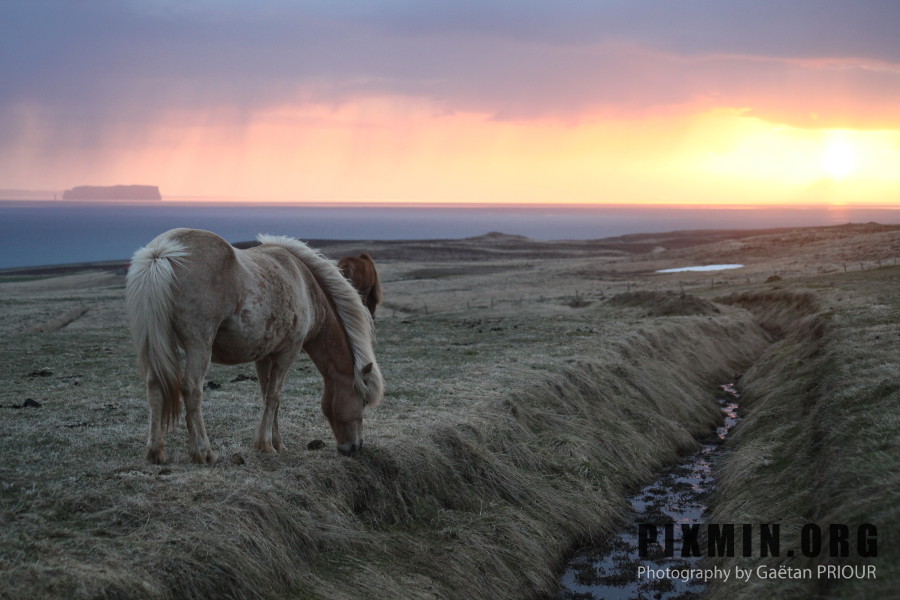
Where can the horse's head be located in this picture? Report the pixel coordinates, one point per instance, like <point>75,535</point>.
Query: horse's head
<point>343,403</point>
<point>347,267</point>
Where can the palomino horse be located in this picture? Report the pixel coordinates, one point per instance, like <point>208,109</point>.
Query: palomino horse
<point>191,290</point>
<point>363,275</point>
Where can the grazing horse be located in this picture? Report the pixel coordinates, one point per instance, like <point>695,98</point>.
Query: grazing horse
<point>190,291</point>
<point>363,275</point>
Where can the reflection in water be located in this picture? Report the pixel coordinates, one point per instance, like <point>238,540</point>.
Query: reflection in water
<point>701,268</point>
<point>680,495</point>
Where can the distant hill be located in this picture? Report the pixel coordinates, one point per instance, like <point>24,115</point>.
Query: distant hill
<point>18,194</point>
<point>113,192</point>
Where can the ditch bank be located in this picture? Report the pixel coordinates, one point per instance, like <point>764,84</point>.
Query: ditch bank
<point>801,467</point>
<point>818,450</point>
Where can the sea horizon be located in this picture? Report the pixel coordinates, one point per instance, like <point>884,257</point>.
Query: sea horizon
<point>58,232</point>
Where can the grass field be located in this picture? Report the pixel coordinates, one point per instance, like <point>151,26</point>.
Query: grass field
<point>529,387</point>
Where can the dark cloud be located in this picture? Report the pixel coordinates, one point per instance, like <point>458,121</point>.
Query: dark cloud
<point>88,62</point>
<point>800,28</point>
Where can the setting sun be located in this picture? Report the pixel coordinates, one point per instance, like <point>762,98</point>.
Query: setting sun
<point>780,163</point>
<point>840,157</point>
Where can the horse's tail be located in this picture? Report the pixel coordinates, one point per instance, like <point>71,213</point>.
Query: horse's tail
<point>376,285</point>
<point>148,303</point>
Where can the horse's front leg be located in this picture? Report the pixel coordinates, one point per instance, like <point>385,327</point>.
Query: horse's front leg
<point>277,442</point>
<point>271,372</point>
<point>196,365</point>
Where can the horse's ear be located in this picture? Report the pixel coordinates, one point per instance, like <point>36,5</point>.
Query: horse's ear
<point>367,369</point>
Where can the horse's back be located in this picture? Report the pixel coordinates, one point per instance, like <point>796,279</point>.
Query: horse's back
<point>211,263</point>
<point>276,307</point>
<point>207,280</point>
<point>204,258</point>
<point>201,244</point>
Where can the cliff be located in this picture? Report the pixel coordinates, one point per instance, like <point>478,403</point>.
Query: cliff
<point>113,192</point>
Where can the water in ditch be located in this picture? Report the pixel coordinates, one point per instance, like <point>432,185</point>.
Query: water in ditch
<point>614,569</point>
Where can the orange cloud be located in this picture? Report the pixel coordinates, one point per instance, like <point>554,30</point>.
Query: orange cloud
<point>401,150</point>
<point>405,149</point>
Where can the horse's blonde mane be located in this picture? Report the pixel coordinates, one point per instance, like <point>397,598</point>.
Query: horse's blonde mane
<point>355,317</point>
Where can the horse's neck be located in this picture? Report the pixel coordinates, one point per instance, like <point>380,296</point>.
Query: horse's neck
<point>327,345</point>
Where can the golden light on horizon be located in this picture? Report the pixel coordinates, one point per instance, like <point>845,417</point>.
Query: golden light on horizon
<point>822,165</point>
<point>391,150</point>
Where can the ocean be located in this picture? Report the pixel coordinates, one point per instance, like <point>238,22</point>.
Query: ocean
<point>34,233</point>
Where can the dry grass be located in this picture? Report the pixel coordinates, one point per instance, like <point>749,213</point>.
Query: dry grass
<point>521,406</point>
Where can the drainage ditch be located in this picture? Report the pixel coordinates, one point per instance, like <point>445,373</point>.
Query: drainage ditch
<point>618,568</point>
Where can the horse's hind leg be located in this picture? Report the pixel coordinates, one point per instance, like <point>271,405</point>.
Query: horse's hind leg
<point>196,365</point>
<point>155,452</point>
<point>271,372</point>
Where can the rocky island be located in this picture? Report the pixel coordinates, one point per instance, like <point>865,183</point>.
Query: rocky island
<point>113,192</point>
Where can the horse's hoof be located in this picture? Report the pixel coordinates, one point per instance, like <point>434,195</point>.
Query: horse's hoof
<point>206,457</point>
<point>156,457</point>
<point>266,447</point>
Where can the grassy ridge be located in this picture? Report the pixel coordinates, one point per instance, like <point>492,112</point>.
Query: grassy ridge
<point>819,442</point>
<point>476,500</point>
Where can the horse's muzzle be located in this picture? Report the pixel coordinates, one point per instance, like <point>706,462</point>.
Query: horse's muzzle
<point>350,448</point>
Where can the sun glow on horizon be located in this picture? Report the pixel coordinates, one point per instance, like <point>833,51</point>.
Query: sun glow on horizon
<point>825,165</point>
<point>398,150</point>
<point>839,158</point>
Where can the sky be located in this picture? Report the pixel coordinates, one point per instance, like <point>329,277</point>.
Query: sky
<point>573,101</point>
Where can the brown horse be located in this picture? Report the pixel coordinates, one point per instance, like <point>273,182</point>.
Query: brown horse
<point>190,290</point>
<point>363,275</point>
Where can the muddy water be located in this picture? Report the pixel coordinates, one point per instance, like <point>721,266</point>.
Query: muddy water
<point>612,569</point>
